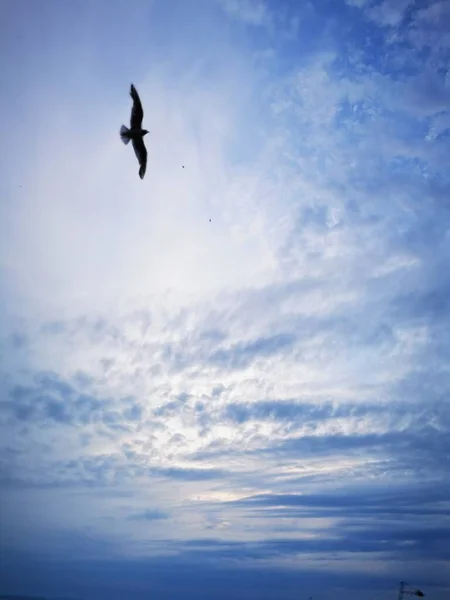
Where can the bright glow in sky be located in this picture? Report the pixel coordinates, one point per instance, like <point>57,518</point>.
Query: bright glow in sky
<point>229,379</point>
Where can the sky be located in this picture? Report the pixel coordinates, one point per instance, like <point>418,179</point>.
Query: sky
<point>231,379</point>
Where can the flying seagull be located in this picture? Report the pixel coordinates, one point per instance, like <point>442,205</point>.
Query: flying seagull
<point>135,133</point>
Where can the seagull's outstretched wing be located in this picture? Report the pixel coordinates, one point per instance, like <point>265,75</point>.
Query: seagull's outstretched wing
<point>137,114</point>
<point>141,154</point>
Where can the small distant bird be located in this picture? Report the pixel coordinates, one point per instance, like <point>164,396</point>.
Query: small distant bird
<point>135,133</point>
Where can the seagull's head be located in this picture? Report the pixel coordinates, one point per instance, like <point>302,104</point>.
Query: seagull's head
<point>144,132</point>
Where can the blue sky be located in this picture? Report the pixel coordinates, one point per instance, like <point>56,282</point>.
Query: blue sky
<point>230,379</point>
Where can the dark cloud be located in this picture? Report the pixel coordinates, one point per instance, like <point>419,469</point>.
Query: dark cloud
<point>94,328</point>
<point>215,336</point>
<point>82,379</point>
<point>54,327</point>
<point>240,356</point>
<point>133,413</point>
<point>203,349</point>
<point>423,543</point>
<point>431,305</point>
<point>172,407</point>
<point>414,437</point>
<point>416,450</point>
<point>195,571</point>
<point>98,470</point>
<point>189,474</point>
<point>18,340</point>
<point>304,412</point>
<point>50,400</point>
<point>405,501</point>
<point>149,515</point>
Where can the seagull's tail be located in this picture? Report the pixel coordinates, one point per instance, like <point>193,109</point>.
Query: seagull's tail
<point>124,134</point>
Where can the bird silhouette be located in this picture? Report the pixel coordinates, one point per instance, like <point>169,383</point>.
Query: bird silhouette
<point>135,133</point>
